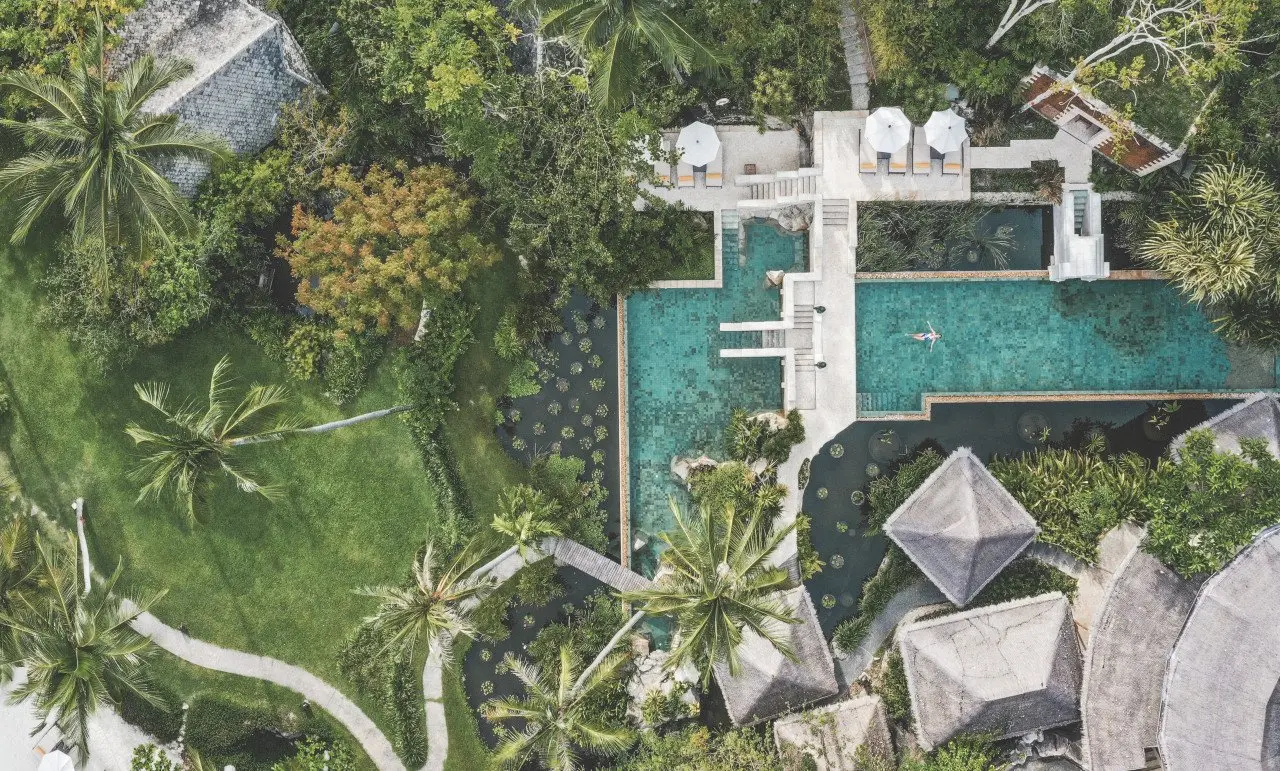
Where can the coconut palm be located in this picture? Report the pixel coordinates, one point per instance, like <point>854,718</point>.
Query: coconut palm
<point>526,516</point>
<point>95,155</point>
<point>435,606</point>
<point>18,581</point>
<point>619,39</point>
<point>559,719</point>
<point>77,650</point>
<point>203,438</point>
<point>715,580</point>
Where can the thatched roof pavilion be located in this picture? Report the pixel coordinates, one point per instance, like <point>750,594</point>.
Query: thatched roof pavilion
<point>1006,670</point>
<point>961,527</point>
<point>1258,416</point>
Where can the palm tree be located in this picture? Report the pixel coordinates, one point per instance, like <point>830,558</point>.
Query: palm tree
<point>434,608</point>
<point>77,650</point>
<point>203,438</point>
<point>557,714</point>
<point>18,582</point>
<point>715,580</point>
<point>96,155</point>
<point>619,38</point>
<point>526,517</point>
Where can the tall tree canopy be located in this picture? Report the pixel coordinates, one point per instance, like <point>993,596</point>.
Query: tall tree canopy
<point>395,237</point>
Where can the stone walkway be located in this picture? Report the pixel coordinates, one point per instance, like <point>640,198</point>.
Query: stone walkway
<point>850,666</point>
<point>296,679</point>
<point>855,56</point>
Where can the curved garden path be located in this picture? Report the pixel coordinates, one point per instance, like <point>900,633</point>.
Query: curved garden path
<point>296,679</point>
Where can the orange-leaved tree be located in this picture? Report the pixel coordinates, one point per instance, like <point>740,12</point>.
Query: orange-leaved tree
<point>395,237</point>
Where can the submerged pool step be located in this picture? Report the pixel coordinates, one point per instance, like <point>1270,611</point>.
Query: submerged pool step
<point>881,402</point>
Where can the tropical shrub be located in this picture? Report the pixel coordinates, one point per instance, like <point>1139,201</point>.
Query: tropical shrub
<point>1207,505</point>
<point>895,573</point>
<point>696,748</point>
<point>1024,577</point>
<point>748,439</point>
<point>887,493</point>
<point>424,368</point>
<point>315,754</point>
<point>891,686</point>
<point>1075,496</point>
<point>811,563</point>
<point>41,36</point>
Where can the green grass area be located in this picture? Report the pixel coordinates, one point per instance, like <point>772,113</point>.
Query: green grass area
<point>485,467</point>
<point>274,579</point>
<point>466,749</point>
<point>188,684</point>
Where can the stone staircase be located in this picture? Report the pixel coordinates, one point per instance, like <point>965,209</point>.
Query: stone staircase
<point>835,214</point>
<point>773,338</point>
<point>784,188</point>
<point>729,219</point>
<point>878,402</point>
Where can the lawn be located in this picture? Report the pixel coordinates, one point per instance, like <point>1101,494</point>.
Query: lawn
<point>275,579</point>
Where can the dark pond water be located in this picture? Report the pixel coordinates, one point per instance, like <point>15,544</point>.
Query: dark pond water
<point>989,429</point>
<point>567,415</point>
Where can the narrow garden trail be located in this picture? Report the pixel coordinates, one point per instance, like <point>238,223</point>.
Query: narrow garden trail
<point>855,55</point>
<point>296,679</point>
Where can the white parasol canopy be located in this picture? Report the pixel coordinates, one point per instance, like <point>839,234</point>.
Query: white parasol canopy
<point>56,761</point>
<point>888,130</point>
<point>945,131</point>
<point>698,144</point>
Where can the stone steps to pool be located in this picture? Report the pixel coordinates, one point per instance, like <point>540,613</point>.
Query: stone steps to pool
<point>773,338</point>
<point>729,220</point>
<point>783,188</point>
<point>803,318</point>
<point>881,402</point>
<point>804,361</point>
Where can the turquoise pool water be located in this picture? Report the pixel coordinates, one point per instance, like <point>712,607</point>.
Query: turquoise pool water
<point>1035,336</point>
<point>680,392</point>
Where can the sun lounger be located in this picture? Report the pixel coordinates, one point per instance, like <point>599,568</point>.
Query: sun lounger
<point>686,175</point>
<point>868,158</point>
<point>898,161</point>
<point>951,163</point>
<point>715,170</point>
<point>921,158</point>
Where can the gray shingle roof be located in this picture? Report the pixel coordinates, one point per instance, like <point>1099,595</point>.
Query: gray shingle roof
<point>961,527</point>
<point>1141,618</point>
<point>1006,669</point>
<point>1222,689</point>
<point>832,734</point>
<point>245,65</point>
<point>1258,416</point>
<point>768,683</point>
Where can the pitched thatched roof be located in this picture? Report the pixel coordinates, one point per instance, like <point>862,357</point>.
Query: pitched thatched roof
<point>1141,618</point>
<point>1258,416</point>
<point>1222,690</point>
<point>769,684</point>
<point>832,734</point>
<point>961,527</point>
<point>1006,669</point>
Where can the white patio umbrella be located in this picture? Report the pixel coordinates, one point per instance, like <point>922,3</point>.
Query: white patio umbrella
<point>888,130</point>
<point>698,144</point>
<point>945,131</point>
<point>56,761</point>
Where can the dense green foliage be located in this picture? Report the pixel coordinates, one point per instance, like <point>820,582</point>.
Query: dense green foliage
<point>225,729</point>
<point>1207,505</point>
<point>316,754</point>
<point>93,156</point>
<point>891,686</point>
<point>895,236</point>
<point>696,748</point>
<point>1218,238</point>
<point>1075,496</point>
<point>890,491</point>
<point>963,753</point>
<point>41,36</point>
<point>749,438</point>
<point>719,583</point>
<point>394,683</point>
<point>1024,577</point>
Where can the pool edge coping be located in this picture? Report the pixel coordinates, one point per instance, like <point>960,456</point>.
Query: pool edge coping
<point>1053,396</point>
<point>624,441</point>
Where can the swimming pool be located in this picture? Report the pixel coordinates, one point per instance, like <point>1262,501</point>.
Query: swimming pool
<point>680,392</point>
<point>1029,337</point>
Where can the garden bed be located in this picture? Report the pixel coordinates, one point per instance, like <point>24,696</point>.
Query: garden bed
<point>896,237</point>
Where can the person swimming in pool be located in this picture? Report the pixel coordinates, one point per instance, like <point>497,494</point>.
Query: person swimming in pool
<point>931,337</point>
